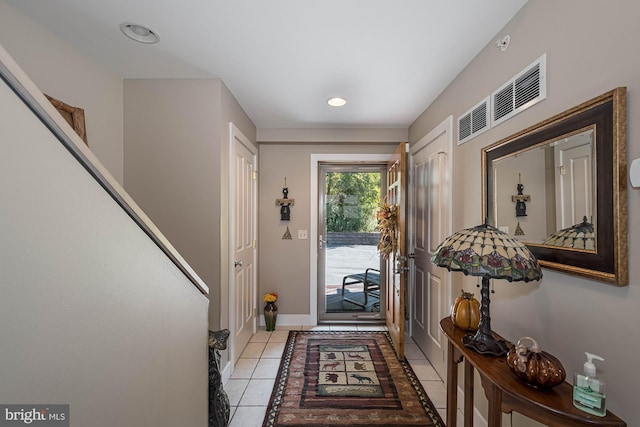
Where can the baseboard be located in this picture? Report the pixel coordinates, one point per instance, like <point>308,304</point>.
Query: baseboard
<point>293,320</point>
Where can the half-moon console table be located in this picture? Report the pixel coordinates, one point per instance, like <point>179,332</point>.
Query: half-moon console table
<point>506,393</point>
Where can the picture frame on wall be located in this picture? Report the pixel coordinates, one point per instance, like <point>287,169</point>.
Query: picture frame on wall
<point>73,115</point>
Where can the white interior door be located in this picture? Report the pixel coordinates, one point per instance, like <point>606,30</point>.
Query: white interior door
<point>430,221</point>
<point>574,182</point>
<point>243,215</point>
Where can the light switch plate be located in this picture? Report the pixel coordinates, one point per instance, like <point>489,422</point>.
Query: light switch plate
<point>302,235</point>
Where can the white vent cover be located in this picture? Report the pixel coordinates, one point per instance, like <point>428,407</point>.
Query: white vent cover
<point>473,122</point>
<point>523,91</point>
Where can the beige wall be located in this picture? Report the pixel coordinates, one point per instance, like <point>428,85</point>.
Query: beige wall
<point>171,151</point>
<point>62,72</point>
<point>93,313</point>
<point>591,48</point>
<point>527,167</point>
<point>176,134</point>
<point>284,264</point>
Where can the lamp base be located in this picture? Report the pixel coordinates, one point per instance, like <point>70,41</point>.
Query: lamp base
<point>485,344</point>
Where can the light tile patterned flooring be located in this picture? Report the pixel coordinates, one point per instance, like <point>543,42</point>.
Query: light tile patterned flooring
<point>250,385</point>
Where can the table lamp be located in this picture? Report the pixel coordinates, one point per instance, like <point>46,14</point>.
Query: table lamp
<point>487,252</point>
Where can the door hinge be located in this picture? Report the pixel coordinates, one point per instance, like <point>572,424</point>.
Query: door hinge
<point>255,175</point>
<point>254,244</point>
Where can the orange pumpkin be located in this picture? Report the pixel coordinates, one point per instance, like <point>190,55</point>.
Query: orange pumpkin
<point>465,312</point>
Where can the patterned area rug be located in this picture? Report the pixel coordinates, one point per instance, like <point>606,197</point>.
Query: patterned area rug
<point>346,378</point>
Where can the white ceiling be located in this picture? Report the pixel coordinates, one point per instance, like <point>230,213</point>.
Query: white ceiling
<point>282,59</point>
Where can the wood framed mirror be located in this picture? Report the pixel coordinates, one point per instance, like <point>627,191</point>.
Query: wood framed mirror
<point>560,187</point>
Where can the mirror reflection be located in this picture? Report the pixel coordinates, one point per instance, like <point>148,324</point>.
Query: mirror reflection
<point>547,192</point>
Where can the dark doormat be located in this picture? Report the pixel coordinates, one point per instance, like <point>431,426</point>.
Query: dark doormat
<point>335,303</point>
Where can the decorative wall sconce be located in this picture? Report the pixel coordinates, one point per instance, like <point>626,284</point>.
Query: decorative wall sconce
<point>285,203</point>
<point>521,207</point>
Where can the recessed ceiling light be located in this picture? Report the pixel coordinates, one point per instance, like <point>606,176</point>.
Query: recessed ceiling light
<point>139,33</point>
<point>336,101</point>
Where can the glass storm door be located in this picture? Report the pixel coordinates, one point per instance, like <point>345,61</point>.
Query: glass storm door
<point>350,274</point>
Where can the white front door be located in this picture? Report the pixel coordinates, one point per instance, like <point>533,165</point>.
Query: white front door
<point>242,238</point>
<point>430,224</point>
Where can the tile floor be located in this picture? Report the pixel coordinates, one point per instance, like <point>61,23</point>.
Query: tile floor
<point>250,386</point>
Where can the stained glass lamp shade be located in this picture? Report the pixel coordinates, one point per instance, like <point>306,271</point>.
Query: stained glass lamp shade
<point>487,252</point>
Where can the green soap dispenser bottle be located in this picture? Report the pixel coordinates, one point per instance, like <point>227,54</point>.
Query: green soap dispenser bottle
<point>588,391</point>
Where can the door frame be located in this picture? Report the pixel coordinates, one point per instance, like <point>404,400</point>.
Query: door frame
<point>316,159</point>
<point>235,133</point>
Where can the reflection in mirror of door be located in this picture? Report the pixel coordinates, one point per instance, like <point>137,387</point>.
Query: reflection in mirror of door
<point>560,181</point>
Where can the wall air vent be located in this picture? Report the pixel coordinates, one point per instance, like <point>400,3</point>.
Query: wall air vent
<point>473,122</point>
<point>523,91</point>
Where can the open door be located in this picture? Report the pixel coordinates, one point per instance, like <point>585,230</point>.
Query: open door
<point>396,264</point>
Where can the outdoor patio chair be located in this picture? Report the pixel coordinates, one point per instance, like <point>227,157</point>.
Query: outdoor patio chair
<point>370,280</point>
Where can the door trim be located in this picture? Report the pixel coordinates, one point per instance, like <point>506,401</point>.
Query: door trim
<point>235,133</point>
<point>316,159</point>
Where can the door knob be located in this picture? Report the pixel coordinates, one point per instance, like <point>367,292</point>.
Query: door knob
<point>237,263</point>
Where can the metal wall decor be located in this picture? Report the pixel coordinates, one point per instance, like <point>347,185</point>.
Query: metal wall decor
<point>285,203</point>
<point>520,199</point>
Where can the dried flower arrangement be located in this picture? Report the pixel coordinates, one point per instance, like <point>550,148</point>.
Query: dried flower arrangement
<point>387,217</point>
<point>270,297</point>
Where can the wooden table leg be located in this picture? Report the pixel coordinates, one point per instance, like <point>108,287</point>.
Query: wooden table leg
<point>468,394</point>
<point>452,386</point>
<point>494,395</point>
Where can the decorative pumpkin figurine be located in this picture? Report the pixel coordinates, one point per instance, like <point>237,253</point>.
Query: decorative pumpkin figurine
<point>465,313</point>
<point>536,367</point>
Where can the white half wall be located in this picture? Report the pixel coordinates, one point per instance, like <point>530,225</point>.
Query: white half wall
<point>93,313</point>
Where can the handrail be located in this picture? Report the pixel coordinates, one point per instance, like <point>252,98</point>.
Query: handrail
<point>34,99</point>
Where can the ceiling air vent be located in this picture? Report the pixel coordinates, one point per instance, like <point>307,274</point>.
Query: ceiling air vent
<point>524,90</point>
<point>473,122</point>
